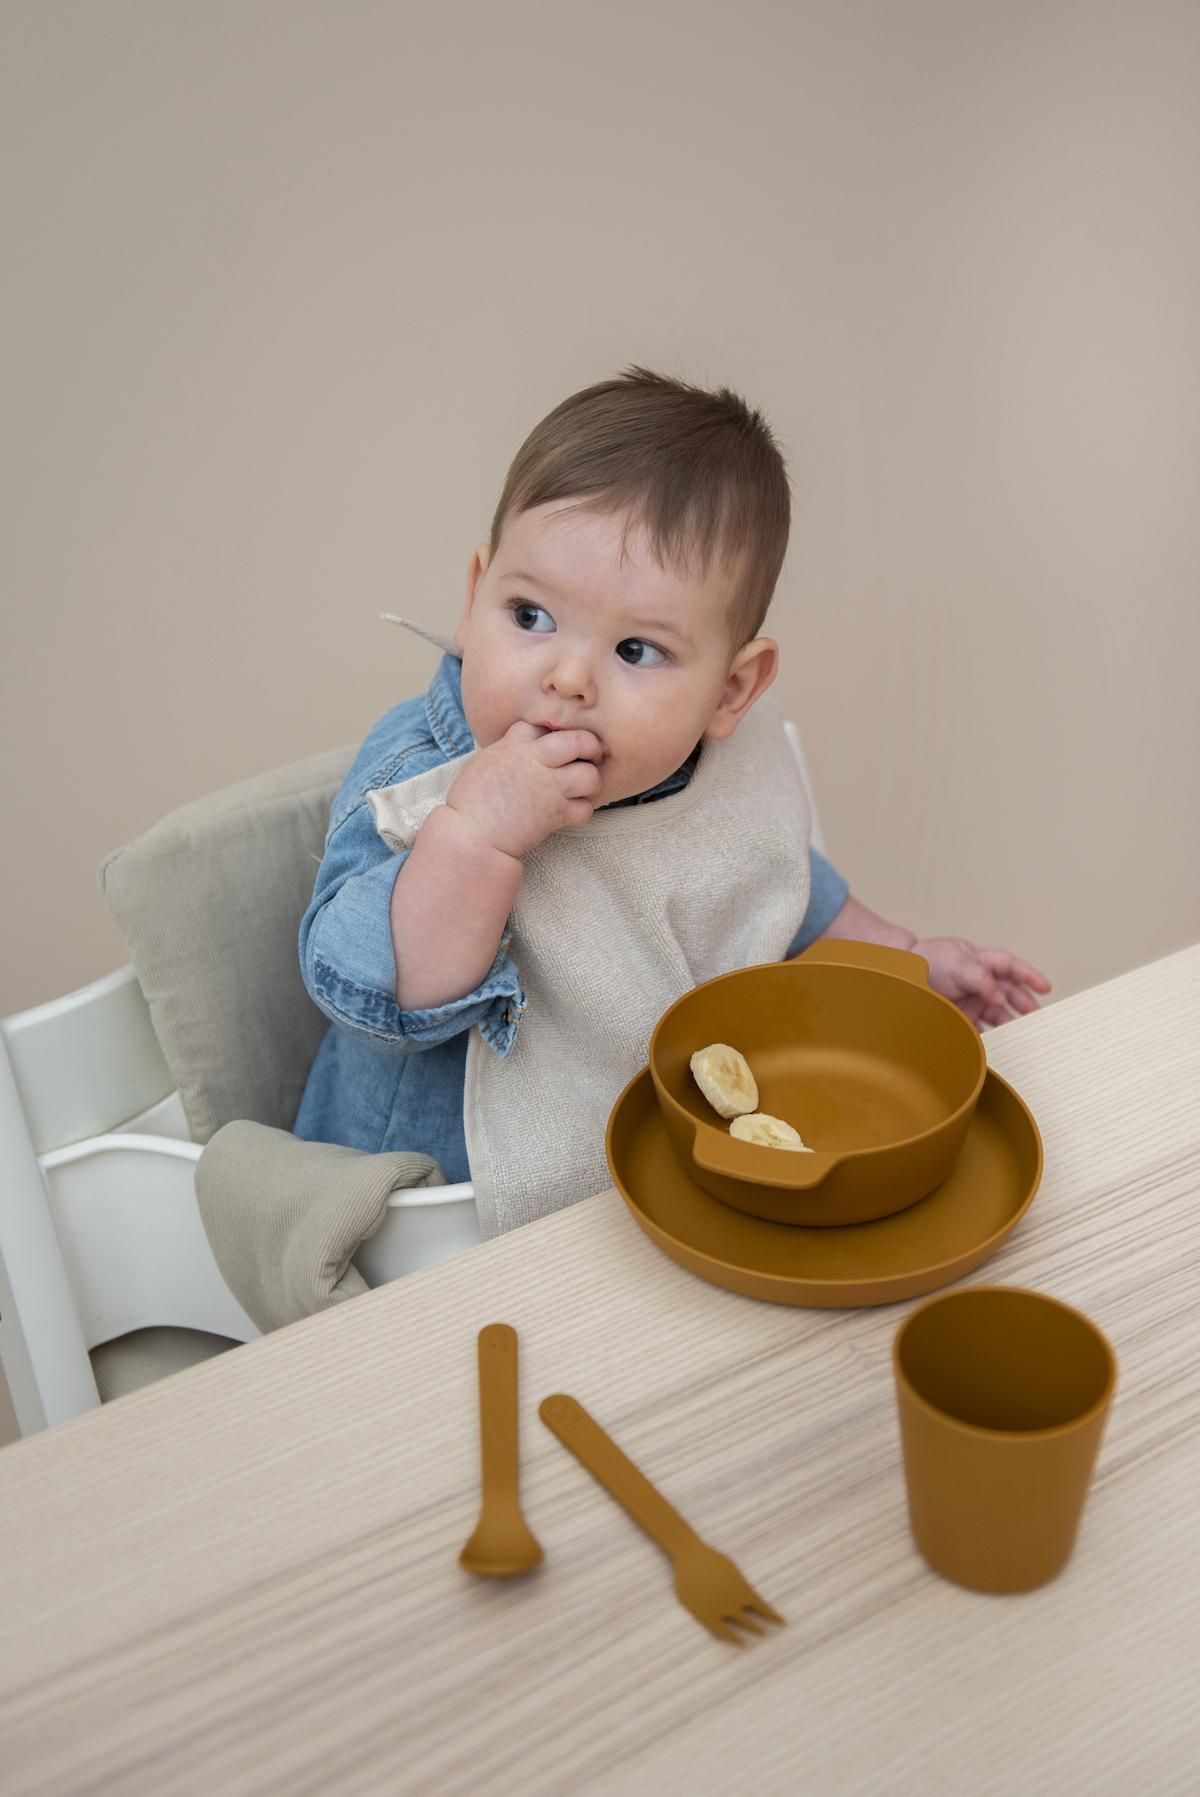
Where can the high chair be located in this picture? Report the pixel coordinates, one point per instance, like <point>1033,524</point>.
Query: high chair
<point>107,1095</point>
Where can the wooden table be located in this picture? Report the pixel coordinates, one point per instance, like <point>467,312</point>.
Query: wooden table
<point>244,1578</point>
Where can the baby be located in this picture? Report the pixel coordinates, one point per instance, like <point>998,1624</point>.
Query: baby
<point>587,813</point>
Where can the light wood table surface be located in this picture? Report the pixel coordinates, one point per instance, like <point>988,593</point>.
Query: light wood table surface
<point>244,1578</point>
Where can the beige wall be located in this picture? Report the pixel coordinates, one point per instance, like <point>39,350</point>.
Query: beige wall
<point>287,284</point>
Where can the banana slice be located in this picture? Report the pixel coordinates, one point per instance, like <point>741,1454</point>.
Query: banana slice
<point>769,1132</point>
<point>724,1077</point>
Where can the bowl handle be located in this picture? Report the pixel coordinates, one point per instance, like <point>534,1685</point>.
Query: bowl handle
<point>842,952</point>
<point>715,1152</point>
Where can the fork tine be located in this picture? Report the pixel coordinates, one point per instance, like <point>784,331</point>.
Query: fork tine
<point>723,1630</point>
<point>745,1620</point>
<point>754,1602</point>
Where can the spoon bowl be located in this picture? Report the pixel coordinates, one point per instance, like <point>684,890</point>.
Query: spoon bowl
<point>502,1545</point>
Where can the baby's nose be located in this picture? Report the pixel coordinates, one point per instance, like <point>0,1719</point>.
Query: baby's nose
<point>572,676</point>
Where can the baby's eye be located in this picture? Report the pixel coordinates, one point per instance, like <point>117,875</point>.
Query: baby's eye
<point>519,607</point>
<point>637,642</point>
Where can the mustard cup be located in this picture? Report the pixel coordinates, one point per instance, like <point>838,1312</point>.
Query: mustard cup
<point>1003,1395</point>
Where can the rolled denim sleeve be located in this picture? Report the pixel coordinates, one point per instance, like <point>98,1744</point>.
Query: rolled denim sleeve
<point>349,965</point>
<point>829,893</point>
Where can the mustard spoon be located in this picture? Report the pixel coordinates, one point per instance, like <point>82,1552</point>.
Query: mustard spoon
<point>502,1544</point>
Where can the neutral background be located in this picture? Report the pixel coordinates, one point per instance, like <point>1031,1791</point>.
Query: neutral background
<point>287,284</point>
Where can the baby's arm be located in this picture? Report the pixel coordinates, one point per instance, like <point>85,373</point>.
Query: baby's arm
<point>448,909</point>
<point>452,897</point>
<point>855,923</point>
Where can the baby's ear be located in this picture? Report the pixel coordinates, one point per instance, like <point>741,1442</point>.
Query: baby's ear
<point>476,569</point>
<point>754,668</point>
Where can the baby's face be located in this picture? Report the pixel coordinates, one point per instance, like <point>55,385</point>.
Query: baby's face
<point>559,632</point>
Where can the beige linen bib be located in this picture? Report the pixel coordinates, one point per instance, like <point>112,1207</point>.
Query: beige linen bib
<point>612,923</point>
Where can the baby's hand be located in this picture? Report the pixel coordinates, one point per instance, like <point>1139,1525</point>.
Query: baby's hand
<point>982,982</point>
<point>530,782</point>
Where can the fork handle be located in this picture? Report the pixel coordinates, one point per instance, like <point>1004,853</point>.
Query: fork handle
<point>567,1419</point>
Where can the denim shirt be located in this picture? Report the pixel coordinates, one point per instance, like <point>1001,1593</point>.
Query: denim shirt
<point>384,1078</point>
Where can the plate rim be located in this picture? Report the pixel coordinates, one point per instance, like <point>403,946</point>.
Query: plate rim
<point>884,1289</point>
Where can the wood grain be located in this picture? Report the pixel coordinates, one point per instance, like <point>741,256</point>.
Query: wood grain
<point>244,1578</point>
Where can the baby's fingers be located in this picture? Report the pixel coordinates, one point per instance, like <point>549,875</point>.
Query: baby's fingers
<point>1010,967</point>
<point>977,980</point>
<point>578,778</point>
<point>972,1008</point>
<point>558,747</point>
<point>523,732</point>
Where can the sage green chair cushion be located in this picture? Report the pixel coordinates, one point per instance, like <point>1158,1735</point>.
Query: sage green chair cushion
<point>209,902</point>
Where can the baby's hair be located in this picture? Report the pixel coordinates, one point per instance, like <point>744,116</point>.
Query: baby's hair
<point>699,472</point>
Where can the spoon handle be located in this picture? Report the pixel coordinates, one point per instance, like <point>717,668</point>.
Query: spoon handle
<point>497,1349</point>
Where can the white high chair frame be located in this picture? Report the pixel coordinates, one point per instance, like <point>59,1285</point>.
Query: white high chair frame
<point>100,1232</point>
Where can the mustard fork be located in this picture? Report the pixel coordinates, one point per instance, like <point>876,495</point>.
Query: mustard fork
<point>707,1583</point>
